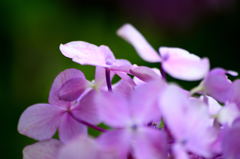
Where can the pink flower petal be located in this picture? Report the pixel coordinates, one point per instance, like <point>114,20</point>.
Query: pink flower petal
<point>39,121</point>
<point>113,108</point>
<point>81,147</point>
<point>117,141</point>
<point>67,86</point>
<point>149,143</point>
<point>124,86</point>
<point>84,53</point>
<point>143,103</point>
<point>180,64</point>
<point>87,108</point>
<point>42,150</point>
<point>180,152</point>
<point>145,73</point>
<point>121,65</point>
<point>70,128</point>
<point>135,38</point>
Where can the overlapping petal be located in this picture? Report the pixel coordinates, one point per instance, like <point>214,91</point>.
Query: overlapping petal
<point>145,73</point>
<point>231,141</point>
<point>188,120</point>
<point>40,121</point>
<point>67,86</point>
<point>42,150</point>
<point>81,147</point>
<point>217,84</point>
<point>87,109</point>
<point>69,128</point>
<point>144,104</point>
<point>149,143</point>
<point>113,108</point>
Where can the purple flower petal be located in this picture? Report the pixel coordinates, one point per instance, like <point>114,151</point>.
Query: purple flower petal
<point>180,64</point>
<point>135,38</point>
<point>69,128</point>
<point>235,92</point>
<point>117,141</point>
<point>42,150</point>
<point>217,85</point>
<point>231,141</point>
<point>67,86</point>
<point>188,120</point>
<point>180,152</point>
<point>113,108</point>
<point>39,121</point>
<point>149,143</point>
<point>145,73</point>
<point>81,147</point>
<point>143,104</point>
<point>87,109</point>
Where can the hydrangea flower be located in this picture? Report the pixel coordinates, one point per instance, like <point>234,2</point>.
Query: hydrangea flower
<point>40,121</point>
<point>146,116</point>
<point>130,116</point>
<point>188,121</point>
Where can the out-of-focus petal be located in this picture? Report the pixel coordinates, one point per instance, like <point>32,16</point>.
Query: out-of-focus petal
<point>124,86</point>
<point>84,53</point>
<point>231,141</point>
<point>107,52</point>
<point>86,109</point>
<point>145,73</point>
<point>42,150</point>
<point>81,147</point>
<point>213,106</point>
<point>235,93</point>
<point>67,86</point>
<point>188,120</point>
<point>113,108</point>
<point>149,143</point>
<point>116,141</point>
<point>70,128</point>
<point>180,152</point>
<point>39,121</point>
<point>144,103</point>
<point>121,65</point>
<point>180,64</point>
<point>135,38</point>
<point>217,85</point>
<point>228,114</point>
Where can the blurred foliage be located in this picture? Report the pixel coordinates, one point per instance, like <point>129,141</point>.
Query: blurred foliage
<point>31,32</point>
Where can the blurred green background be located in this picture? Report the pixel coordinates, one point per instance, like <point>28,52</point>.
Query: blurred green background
<point>31,31</point>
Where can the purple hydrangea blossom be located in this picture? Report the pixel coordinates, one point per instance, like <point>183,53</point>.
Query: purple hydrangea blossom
<point>147,116</point>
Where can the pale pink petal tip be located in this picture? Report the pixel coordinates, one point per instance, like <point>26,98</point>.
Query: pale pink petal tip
<point>84,53</point>
<point>183,65</point>
<point>42,150</point>
<point>135,38</point>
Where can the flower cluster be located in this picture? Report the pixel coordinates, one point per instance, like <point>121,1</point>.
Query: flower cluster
<point>146,116</point>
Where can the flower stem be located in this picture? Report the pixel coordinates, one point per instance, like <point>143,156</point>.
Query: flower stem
<point>87,123</point>
<point>108,79</point>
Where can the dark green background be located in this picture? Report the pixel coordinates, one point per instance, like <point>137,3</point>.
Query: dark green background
<point>31,32</point>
